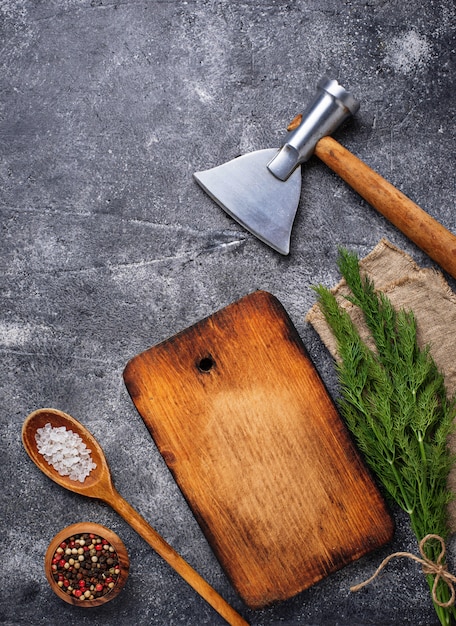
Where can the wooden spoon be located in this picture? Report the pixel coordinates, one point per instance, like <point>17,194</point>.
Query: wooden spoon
<point>99,485</point>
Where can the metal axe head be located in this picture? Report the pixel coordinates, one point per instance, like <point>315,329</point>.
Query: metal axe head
<point>261,190</point>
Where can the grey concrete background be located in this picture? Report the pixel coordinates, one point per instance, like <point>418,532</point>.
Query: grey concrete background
<point>108,246</point>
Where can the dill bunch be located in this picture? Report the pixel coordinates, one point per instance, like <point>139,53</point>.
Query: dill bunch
<point>396,406</point>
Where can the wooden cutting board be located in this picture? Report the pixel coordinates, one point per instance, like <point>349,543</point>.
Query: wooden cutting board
<point>258,449</point>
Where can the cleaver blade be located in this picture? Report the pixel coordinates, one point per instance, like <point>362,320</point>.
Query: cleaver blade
<point>254,197</point>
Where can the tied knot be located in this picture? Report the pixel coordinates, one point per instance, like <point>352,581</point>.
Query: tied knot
<point>429,567</point>
<point>437,568</point>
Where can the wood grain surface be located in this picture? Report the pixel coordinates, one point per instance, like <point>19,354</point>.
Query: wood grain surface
<point>258,449</point>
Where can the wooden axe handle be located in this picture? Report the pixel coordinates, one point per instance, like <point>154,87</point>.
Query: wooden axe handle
<point>428,234</point>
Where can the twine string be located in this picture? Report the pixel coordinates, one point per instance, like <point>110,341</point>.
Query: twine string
<point>437,568</point>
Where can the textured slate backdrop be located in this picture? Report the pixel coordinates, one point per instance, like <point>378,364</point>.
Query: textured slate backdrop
<point>108,246</point>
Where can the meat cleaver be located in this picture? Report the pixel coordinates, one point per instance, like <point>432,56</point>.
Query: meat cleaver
<point>261,190</point>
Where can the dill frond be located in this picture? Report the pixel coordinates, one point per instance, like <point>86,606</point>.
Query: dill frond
<point>395,404</point>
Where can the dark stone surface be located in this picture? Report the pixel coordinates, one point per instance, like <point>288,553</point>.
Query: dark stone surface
<point>108,246</point>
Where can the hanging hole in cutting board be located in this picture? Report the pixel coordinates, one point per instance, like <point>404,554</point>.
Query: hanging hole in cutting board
<point>206,364</point>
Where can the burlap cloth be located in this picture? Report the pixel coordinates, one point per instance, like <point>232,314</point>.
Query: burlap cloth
<point>427,294</point>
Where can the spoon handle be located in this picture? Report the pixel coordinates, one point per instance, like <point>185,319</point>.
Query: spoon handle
<point>139,524</point>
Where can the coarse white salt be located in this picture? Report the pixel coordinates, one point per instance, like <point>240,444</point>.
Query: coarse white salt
<point>65,451</point>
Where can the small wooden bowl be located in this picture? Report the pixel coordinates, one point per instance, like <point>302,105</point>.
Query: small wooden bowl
<point>103,533</point>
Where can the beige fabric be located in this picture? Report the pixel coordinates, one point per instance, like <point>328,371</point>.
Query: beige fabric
<point>408,286</point>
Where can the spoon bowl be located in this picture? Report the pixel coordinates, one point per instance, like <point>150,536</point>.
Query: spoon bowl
<point>98,484</point>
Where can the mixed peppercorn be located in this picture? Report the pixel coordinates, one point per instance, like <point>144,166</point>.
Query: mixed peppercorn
<point>85,566</point>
